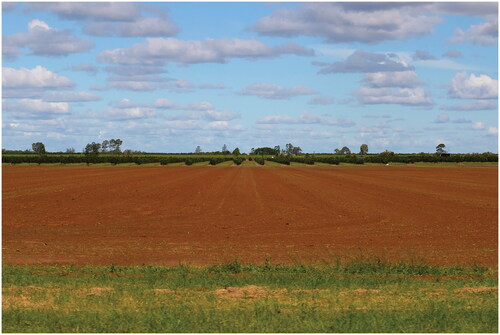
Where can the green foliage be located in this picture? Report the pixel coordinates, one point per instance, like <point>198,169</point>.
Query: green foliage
<point>265,151</point>
<point>238,160</point>
<point>364,295</point>
<point>38,148</point>
<point>259,160</point>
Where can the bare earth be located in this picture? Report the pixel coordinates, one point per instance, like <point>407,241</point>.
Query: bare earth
<point>203,215</point>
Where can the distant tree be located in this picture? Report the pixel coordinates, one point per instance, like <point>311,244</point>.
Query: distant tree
<point>337,152</point>
<point>127,152</point>
<point>38,148</point>
<point>264,151</point>
<point>363,149</point>
<point>252,151</point>
<point>224,150</point>
<point>345,151</point>
<point>197,150</point>
<point>277,149</point>
<point>236,151</point>
<point>296,151</point>
<point>105,146</point>
<point>114,145</point>
<point>70,150</point>
<point>92,149</point>
<point>289,148</point>
<point>440,149</point>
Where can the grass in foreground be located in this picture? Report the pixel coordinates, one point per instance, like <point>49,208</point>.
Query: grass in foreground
<point>359,296</point>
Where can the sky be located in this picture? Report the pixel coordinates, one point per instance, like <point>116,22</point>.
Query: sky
<point>168,77</point>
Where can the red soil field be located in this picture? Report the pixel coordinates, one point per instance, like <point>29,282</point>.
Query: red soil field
<point>203,215</point>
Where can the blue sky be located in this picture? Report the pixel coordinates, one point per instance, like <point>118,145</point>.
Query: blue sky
<point>167,77</point>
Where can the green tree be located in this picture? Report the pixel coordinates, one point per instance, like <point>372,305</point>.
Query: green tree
<point>105,146</point>
<point>440,149</point>
<point>345,151</point>
<point>236,152</point>
<point>363,149</point>
<point>224,149</point>
<point>70,150</point>
<point>114,145</point>
<point>296,151</point>
<point>197,150</point>
<point>38,148</point>
<point>92,149</point>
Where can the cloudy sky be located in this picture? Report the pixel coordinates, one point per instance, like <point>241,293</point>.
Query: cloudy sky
<point>166,77</point>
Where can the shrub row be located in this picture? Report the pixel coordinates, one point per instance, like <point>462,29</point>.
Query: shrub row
<point>385,157</point>
<point>238,160</point>
<point>259,160</point>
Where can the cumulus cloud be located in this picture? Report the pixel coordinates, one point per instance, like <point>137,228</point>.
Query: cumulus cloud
<point>273,91</point>
<point>482,86</point>
<point>453,54</point>
<point>478,126</point>
<point>340,23</point>
<point>43,40</point>
<point>389,95</point>
<point>163,103</point>
<point>366,62</point>
<point>146,26</point>
<point>122,114</point>
<point>476,105</point>
<point>158,51</point>
<point>211,115</point>
<point>134,70</point>
<point>400,87</point>
<point>108,11</point>
<point>70,97</point>
<point>485,33</point>
<point>15,82</point>
<point>422,55</point>
<point>392,79</point>
<point>113,18</point>
<point>305,118</point>
<point>321,100</point>
<point>492,131</point>
<point>35,108</point>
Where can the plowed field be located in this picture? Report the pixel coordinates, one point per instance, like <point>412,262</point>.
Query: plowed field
<point>201,215</point>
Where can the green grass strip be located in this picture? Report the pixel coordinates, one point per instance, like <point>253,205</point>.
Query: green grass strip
<point>359,296</point>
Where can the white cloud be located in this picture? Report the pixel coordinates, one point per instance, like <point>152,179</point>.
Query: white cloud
<point>475,105</point>
<point>70,97</point>
<point>367,62</point>
<point>142,27</point>
<point>273,91</point>
<point>473,87</point>
<point>478,126</point>
<point>121,114</point>
<point>158,51</point>
<point>485,33</point>
<point>38,77</point>
<point>339,23</point>
<point>43,40</point>
<point>392,79</point>
<point>109,11</point>
<point>305,118</point>
<point>387,95</point>
<point>35,108</point>
<point>492,131</point>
